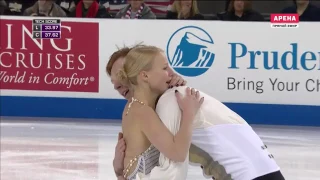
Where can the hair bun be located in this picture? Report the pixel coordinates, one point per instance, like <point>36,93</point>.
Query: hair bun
<point>122,76</point>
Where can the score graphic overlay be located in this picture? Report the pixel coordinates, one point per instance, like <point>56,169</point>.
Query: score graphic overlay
<point>46,28</point>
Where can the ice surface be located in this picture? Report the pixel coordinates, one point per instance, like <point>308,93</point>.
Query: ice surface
<point>51,150</point>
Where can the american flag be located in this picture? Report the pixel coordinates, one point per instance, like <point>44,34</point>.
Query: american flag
<point>157,6</point>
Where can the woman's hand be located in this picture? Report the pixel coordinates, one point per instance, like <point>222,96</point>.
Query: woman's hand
<point>190,103</point>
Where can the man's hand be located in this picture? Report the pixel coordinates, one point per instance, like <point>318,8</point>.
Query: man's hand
<point>121,178</point>
<point>119,156</point>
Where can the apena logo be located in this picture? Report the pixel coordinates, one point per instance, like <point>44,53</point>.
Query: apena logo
<point>284,20</point>
<point>190,51</point>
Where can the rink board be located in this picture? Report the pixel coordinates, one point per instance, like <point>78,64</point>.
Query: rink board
<point>269,79</point>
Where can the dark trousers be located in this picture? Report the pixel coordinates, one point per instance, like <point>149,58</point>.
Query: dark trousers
<point>272,176</point>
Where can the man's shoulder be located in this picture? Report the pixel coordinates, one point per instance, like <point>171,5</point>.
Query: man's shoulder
<point>166,96</point>
<point>171,91</point>
<point>169,96</point>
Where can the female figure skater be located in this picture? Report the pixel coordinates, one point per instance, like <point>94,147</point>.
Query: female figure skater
<point>115,63</point>
<point>143,131</point>
<point>218,132</point>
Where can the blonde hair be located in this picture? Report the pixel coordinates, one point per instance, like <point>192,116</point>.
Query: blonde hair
<point>140,58</point>
<point>176,7</point>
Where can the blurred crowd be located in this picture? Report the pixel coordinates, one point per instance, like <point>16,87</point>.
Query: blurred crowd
<point>226,10</point>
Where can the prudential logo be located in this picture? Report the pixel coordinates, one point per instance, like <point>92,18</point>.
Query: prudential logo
<point>190,51</point>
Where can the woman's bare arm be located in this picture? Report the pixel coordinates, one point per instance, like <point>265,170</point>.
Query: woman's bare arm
<point>173,147</point>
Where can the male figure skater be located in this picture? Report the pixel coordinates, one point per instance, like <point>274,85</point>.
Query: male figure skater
<point>222,141</point>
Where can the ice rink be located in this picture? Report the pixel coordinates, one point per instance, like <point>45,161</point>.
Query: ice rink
<point>67,150</point>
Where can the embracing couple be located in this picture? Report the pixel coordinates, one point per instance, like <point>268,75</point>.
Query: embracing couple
<point>166,125</point>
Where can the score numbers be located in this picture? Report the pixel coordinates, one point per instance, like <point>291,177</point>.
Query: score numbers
<point>46,28</point>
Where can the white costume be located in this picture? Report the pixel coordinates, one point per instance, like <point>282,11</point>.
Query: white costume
<point>235,150</point>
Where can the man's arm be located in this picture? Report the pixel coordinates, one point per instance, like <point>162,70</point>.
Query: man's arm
<point>119,156</point>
